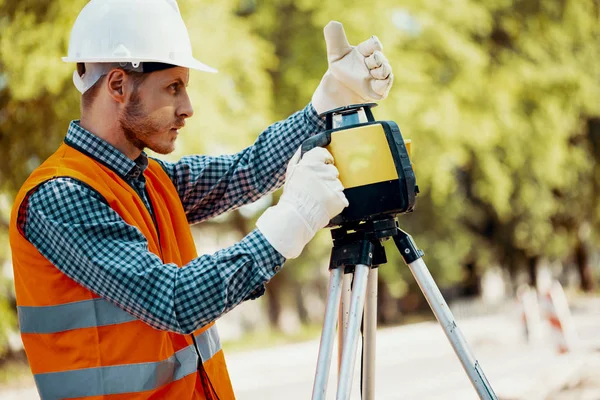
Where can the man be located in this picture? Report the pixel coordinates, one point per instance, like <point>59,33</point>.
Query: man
<point>114,303</point>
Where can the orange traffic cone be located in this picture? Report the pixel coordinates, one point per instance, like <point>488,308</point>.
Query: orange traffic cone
<point>557,312</point>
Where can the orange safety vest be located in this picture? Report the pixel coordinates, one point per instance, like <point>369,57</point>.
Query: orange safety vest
<point>79,345</point>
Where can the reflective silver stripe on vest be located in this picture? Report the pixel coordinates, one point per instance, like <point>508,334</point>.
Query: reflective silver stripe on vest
<point>208,343</point>
<point>117,379</point>
<point>129,378</point>
<point>65,317</point>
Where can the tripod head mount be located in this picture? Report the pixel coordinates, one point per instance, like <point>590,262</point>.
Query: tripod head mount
<point>373,161</point>
<point>361,244</point>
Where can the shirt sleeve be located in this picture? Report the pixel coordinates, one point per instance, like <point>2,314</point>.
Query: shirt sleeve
<point>76,230</point>
<point>209,186</point>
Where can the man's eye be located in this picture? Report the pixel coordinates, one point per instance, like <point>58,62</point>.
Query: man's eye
<point>174,87</point>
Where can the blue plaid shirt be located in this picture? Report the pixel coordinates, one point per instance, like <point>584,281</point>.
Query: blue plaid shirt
<point>71,225</point>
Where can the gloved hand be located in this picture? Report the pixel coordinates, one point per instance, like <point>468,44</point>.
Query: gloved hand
<point>312,195</point>
<point>358,74</point>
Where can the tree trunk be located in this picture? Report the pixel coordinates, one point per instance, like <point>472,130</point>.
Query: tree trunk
<point>239,223</point>
<point>582,259</point>
<point>471,285</point>
<point>513,274</point>
<point>274,299</point>
<point>300,304</point>
<point>532,263</point>
<point>387,305</point>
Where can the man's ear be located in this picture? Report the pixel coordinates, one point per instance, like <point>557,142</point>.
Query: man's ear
<point>115,81</point>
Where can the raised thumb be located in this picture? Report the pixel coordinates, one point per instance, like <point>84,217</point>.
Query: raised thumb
<point>336,41</point>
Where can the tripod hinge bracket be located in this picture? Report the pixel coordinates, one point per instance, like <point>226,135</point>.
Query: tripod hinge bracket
<point>362,252</point>
<point>407,247</point>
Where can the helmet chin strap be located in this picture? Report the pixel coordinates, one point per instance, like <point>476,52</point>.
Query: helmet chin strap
<point>173,4</point>
<point>79,83</point>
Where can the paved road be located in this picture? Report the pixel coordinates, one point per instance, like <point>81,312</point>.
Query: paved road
<point>416,362</point>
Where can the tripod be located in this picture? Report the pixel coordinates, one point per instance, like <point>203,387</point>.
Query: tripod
<point>357,249</point>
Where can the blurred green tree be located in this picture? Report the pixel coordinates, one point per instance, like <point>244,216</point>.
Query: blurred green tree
<point>496,96</point>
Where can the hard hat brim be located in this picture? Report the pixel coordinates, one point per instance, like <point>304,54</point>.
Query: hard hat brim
<point>191,62</point>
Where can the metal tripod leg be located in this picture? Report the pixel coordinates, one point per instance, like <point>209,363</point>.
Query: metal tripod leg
<point>344,313</point>
<point>369,332</point>
<point>412,256</point>
<point>328,334</point>
<point>446,319</point>
<point>357,303</point>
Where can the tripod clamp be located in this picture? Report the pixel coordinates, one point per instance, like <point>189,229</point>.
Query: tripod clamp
<point>407,247</point>
<point>361,244</point>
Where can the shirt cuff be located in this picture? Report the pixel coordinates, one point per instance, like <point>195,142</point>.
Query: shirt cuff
<point>272,261</point>
<point>316,123</point>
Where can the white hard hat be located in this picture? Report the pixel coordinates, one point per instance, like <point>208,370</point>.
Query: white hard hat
<point>132,31</point>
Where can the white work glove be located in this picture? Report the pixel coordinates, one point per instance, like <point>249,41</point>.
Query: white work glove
<point>312,195</point>
<point>356,75</point>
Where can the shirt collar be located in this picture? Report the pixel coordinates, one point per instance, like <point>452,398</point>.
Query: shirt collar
<point>102,151</point>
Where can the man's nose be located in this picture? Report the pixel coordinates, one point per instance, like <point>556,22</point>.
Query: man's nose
<point>185,108</point>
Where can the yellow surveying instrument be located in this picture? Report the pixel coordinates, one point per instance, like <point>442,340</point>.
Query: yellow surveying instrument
<point>373,161</point>
<point>375,168</point>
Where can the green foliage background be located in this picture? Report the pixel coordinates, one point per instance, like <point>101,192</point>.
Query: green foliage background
<point>499,97</point>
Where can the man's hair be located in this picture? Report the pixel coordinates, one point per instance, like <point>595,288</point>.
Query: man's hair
<point>87,99</point>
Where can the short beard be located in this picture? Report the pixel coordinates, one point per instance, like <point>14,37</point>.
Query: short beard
<point>138,127</point>
<point>133,120</point>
